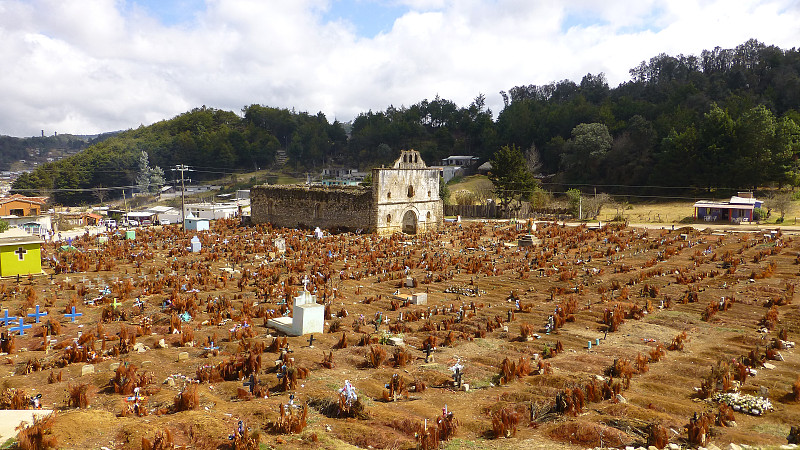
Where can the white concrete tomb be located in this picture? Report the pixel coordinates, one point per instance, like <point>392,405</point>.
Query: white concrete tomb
<point>308,317</point>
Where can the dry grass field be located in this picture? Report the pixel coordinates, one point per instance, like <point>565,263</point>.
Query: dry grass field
<point>658,283</point>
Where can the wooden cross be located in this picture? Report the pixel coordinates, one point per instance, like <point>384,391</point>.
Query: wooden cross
<point>428,350</point>
<point>21,327</point>
<point>250,384</point>
<point>37,314</point>
<point>74,315</point>
<point>7,318</point>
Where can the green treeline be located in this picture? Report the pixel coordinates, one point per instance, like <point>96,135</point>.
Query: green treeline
<point>727,118</point>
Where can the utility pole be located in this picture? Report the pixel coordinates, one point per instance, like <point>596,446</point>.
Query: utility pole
<point>125,201</point>
<point>182,168</point>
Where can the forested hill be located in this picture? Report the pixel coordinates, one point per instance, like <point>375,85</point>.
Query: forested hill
<point>22,153</point>
<point>726,118</point>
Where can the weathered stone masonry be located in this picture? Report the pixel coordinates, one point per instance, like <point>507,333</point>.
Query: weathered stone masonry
<point>346,208</point>
<point>404,197</point>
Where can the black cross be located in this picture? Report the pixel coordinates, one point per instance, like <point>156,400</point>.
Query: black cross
<point>428,351</point>
<point>251,384</point>
<point>311,341</point>
<point>21,253</point>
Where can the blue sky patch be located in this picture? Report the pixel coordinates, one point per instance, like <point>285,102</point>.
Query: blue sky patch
<point>369,17</point>
<point>172,12</point>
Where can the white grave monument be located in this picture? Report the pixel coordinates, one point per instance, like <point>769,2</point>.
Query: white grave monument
<point>280,245</point>
<point>308,317</point>
<point>196,245</point>
<point>419,298</point>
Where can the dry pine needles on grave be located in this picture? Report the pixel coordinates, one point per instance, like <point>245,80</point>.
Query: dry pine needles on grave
<point>376,356</point>
<point>657,435</point>
<point>509,371</point>
<point>161,441</point>
<point>187,400</point>
<point>292,419</point>
<point>12,398</point>
<point>81,395</point>
<point>402,357</point>
<point>38,435</point>
<point>698,429</point>
<point>795,396</point>
<point>126,379</point>
<point>504,422</point>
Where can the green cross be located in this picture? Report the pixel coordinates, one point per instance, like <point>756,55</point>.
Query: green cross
<point>115,304</point>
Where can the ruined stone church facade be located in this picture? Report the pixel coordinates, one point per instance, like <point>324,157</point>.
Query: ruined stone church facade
<point>404,197</point>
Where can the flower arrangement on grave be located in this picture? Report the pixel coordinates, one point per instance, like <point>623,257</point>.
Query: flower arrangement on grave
<point>748,404</point>
<point>349,403</point>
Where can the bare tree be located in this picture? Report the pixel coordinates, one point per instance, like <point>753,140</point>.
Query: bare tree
<point>593,204</point>
<point>781,201</point>
<point>101,193</point>
<point>533,160</point>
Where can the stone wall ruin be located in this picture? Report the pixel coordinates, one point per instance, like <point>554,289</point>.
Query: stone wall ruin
<point>403,198</point>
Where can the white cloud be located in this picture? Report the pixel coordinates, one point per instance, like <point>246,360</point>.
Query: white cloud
<point>91,66</point>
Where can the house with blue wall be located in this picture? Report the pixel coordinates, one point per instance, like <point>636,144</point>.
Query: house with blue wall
<point>739,209</point>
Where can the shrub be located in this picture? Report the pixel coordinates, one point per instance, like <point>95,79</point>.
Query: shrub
<point>38,435</point>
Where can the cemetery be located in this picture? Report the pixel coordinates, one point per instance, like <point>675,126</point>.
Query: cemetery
<point>478,334</point>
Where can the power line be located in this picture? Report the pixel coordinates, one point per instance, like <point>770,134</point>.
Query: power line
<point>182,168</point>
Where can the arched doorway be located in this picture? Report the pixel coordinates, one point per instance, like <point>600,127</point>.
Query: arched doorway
<point>410,222</point>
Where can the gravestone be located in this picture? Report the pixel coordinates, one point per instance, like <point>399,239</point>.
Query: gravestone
<point>396,341</point>
<point>280,245</point>
<point>87,369</point>
<point>183,356</point>
<point>308,317</point>
<point>196,245</point>
<point>419,298</point>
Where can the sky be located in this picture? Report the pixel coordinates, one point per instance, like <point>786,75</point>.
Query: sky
<point>92,66</point>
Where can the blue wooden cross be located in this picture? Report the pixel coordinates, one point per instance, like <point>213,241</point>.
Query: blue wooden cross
<point>74,315</point>
<point>7,318</point>
<point>37,314</point>
<point>21,327</point>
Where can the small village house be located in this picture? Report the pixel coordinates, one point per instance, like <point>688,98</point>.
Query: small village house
<point>20,253</point>
<point>739,209</point>
<point>193,223</point>
<point>20,205</point>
